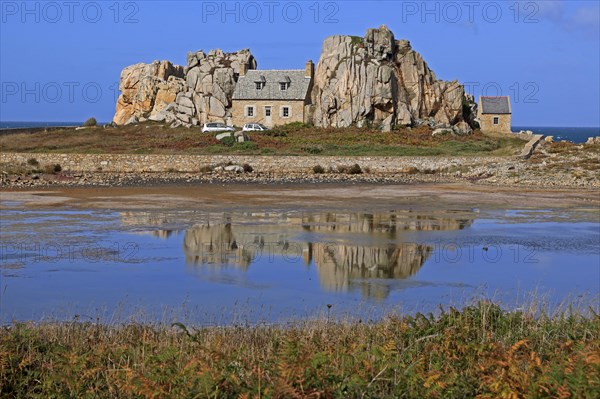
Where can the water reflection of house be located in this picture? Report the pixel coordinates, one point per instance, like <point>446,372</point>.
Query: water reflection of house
<point>341,265</point>
<point>349,250</point>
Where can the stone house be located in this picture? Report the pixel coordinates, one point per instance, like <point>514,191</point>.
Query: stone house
<point>494,114</point>
<point>272,97</point>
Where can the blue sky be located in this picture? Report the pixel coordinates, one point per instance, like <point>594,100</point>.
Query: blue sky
<point>61,60</point>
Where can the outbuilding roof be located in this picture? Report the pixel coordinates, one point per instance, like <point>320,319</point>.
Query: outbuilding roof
<point>297,85</point>
<point>495,105</point>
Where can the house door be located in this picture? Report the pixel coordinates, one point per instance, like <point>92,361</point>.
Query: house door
<point>268,120</point>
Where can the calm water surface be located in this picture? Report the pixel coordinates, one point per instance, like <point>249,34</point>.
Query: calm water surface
<point>223,267</point>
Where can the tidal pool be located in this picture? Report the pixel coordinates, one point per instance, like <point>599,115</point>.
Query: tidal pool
<point>233,266</point>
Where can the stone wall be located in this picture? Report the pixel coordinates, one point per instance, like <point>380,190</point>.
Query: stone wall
<point>486,123</point>
<point>238,112</point>
<point>134,163</point>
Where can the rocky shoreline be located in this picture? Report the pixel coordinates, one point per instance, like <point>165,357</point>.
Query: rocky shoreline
<point>482,176</point>
<point>552,165</point>
<point>166,178</point>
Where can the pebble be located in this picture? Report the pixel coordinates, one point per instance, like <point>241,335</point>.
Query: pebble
<point>552,170</point>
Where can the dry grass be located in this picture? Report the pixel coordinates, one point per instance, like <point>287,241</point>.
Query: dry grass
<point>481,351</point>
<point>294,139</point>
<point>568,157</point>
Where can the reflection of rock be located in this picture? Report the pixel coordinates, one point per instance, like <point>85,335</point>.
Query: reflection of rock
<point>218,241</point>
<point>339,264</point>
<point>147,219</point>
<point>224,244</point>
<point>383,223</point>
<point>164,234</point>
<point>214,244</point>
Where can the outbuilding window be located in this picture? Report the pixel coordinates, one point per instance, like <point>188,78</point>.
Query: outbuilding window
<point>496,120</point>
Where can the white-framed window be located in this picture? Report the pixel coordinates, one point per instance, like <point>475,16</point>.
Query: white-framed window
<point>259,85</point>
<point>496,120</point>
<point>286,111</point>
<point>283,86</point>
<point>267,110</point>
<point>250,111</point>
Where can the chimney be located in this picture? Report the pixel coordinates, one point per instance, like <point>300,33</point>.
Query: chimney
<point>310,69</point>
<point>243,68</point>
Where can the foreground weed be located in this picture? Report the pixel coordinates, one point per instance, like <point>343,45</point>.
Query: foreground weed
<point>481,351</point>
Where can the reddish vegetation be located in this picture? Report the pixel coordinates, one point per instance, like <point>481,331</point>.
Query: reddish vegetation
<point>478,352</point>
<point>152,138</point>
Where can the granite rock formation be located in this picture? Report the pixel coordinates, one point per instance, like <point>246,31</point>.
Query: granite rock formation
<point>380,81</point>
<point>178,95</point>
<point>371,81</point>
<point>141,85</point>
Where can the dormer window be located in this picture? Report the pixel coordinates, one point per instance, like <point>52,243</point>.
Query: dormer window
<point>260,82</point>
<point>284,83</point>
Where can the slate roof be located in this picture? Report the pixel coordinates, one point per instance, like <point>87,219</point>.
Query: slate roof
<point>245,89</point>
<point>495,105</point>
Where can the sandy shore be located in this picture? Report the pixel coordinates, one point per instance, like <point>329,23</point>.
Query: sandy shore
<point>253,197</point>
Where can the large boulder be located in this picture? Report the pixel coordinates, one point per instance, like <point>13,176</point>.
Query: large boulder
<point>382,82</point>
<point>462,129</point>
<point>187,96</point>
<point>140,85</point>
<point>212,78</point>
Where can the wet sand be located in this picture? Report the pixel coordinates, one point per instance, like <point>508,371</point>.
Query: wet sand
<point>302,196</point>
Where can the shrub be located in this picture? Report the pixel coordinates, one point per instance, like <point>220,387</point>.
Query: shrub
<point>228,141</point>
<point>246,145</point>
<point>90,122</point>
<point>296,125</point>
<point>356,40</point>
<point>274,133</point>
<point>355,170</point>
<point>411,170</point>
<point>52,169</point>
<point>318,169</point>
<point>247,168</point>
<point>312,149</point>
<point>33,162</point>
<point>348,170</point>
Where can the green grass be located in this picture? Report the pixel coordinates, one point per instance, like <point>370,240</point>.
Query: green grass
<point>292,139</point>
<point>480,351</point>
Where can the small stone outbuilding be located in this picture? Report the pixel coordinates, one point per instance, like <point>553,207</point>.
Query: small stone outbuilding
<point>273,97</point>
<point>494,114</point>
